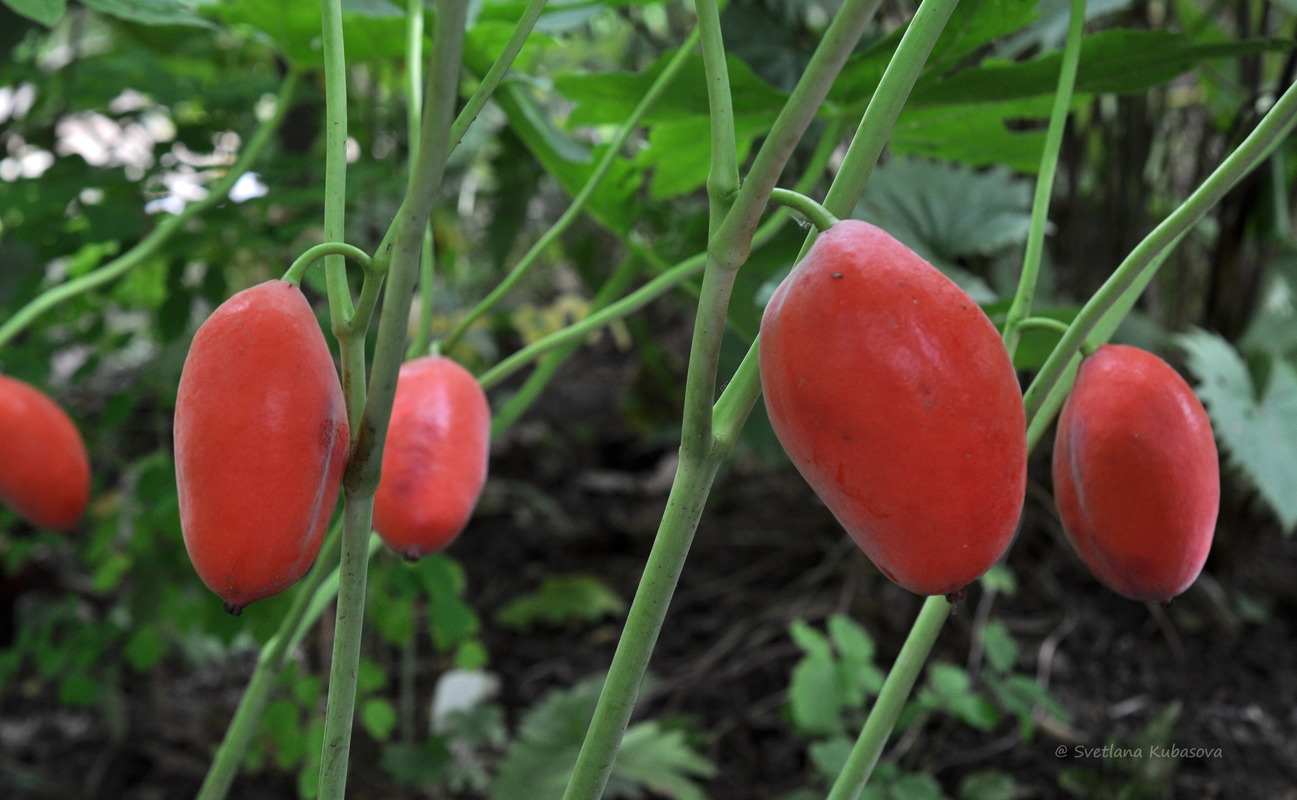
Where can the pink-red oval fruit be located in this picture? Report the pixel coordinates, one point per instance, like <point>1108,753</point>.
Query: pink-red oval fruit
<point>1136,475</point>
<point>261,441</point>
<point>893,395</point>
<point>435,458</point>
<point>44,469</point>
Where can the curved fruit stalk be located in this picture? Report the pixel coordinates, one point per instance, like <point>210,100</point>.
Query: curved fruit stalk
<point>261,441</point>
<point>44,469</point>
<point>435,458</point>
<point>895,398</point>
<point>1136,474</point>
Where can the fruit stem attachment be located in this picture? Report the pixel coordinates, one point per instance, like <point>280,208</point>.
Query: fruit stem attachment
<point>891,699</point>
<point>818,215</point>
<point>297,270</point>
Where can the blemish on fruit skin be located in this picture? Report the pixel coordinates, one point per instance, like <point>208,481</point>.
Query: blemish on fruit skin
<point>836,275</point>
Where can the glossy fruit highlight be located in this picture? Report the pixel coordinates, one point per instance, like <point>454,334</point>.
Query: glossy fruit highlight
<point>1136,474</point>
<point>435,458</point>
<point>44,469</point>
<point>261,441</point>
<point>893,395</point>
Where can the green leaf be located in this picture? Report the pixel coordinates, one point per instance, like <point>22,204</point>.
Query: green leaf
<point>1258,436</point>
<point>990,784</point>
<point>830,755</point>
<point>659,760</point>
<point>540,760</point>
<point>281,722</point>
<point>1001,651</point>
<point>144,648</point>
<point>417,763</point>
<point>379,718</point>
<point>950,690</point>
<point>151,12</point>
<point>46,12</point>
<point>814,700</point>
<point>1112,62</point>
<point>369,676</point>
<point>562,599</point>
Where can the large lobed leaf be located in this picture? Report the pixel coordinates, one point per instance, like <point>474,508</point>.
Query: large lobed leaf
<point>1256,429</point>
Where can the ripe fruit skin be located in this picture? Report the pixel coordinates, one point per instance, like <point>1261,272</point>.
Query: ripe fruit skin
<point>44,469</point>
<point>893,395</point>
<point>435,458</point>
<point>261,441</point>
<point>1136,475</point>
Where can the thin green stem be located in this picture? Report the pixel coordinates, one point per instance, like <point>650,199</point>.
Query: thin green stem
<point>808,208</point>
<point>731,244</point>
<point>152,243</point>
<point>297,270</point>
<point>885,106</point>
<point>1115,298</point>
<point>1042,323</point>
<point>414,111</point>
<point>521,400</point>
<point>477,101</point>
<point>577,206</point>
<point>891,699</point>
<point>270,662</point>
<point>1020,308</point>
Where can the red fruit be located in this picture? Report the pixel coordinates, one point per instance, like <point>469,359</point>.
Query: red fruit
<point>1136,476</point>
<point>894,397</point>
<point>44,470</point>
<point>261,441</point>
<point>435,458</point>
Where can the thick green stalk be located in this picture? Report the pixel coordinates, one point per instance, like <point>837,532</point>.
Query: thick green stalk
<point>701,453</point>
<point>643,623</point>
<point>891,699</point>
<point>577,206</point>
<point>1020,309</point>
<point>150,244</point>
<point>1117,295</point>
<point>723,174</point>
<point>399,253</point>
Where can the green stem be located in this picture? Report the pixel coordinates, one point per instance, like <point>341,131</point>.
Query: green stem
<point>891,699</point>
<point>668,278</point>
<point>225,764</point>
<point>1043,323</point>
<point>297,270</point>
<point>152,243</point>
<point>516,405</point>
<point>643,623</point>
<point>1026,294</point>
<point>701,454</point>
<point>1115,298</point>
<point>401,250</point>
<point>885,106</point>
<point>577,206</point>
<point>414,110</point>
<point>498,70</point>
<point>813,211</point>
<point>734,236</point>
<point>723,174</point>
